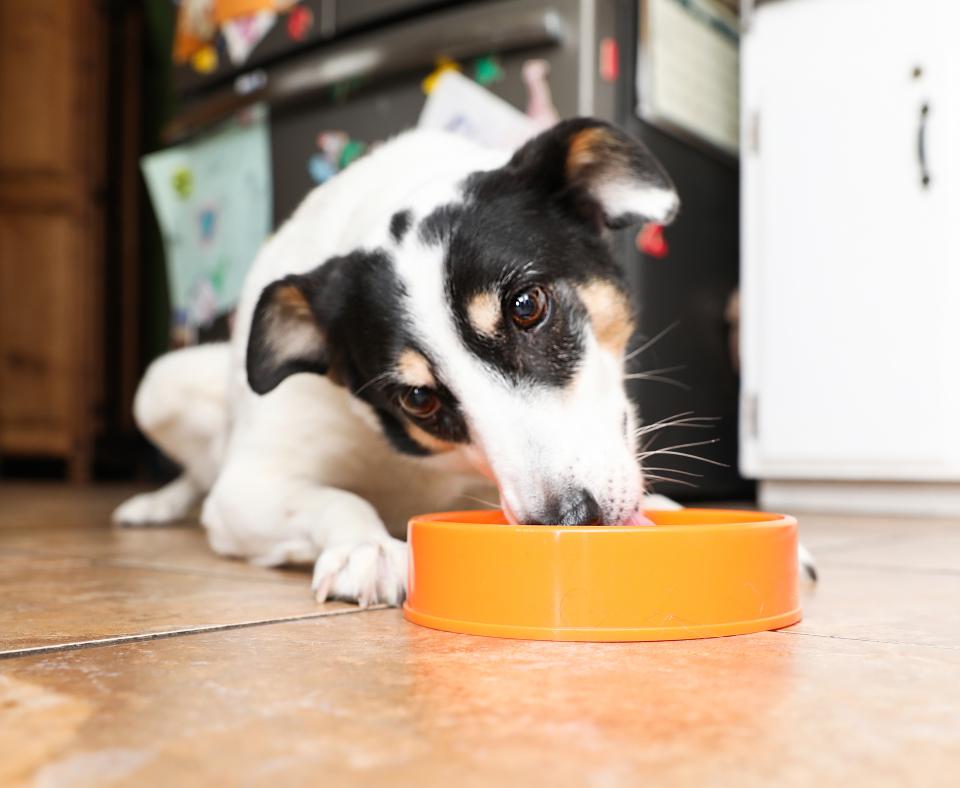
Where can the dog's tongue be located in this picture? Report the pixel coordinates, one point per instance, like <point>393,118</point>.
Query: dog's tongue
<point>639,518</point>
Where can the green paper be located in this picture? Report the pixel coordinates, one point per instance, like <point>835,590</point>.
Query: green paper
<point>213,201</point>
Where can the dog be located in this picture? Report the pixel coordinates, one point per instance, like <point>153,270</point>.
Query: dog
<point>438,320</point>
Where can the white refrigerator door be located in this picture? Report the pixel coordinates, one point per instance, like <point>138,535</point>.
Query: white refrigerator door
<point>851,340</point>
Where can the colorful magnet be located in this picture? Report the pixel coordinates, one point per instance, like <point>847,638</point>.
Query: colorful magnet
<point>352,151</point>
<point>320,168</point>
<point>242,35</point>
<point>342,90</point>
<point>650,241</point>
<point>609,54</point>
<point>299,22</point>
<point>444,65</point>
<point>487,70</point>
<point>332,143</point>
<point>540,107</point>
<point>205,60</point>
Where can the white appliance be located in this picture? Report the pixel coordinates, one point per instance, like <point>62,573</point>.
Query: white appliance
<point>850,267</point>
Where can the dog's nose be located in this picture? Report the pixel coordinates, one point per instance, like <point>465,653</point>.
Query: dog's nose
<point>577,507</point>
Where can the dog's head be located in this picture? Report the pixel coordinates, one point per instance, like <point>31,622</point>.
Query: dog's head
<point>493,326</point>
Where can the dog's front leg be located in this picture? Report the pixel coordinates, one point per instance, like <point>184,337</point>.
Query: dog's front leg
<point>359,561</point>
<point>354,557</point>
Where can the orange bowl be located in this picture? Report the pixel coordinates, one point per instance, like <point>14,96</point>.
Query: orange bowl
<point>695,573</point>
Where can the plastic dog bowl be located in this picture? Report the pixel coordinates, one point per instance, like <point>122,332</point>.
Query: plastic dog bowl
<point>695,573</point>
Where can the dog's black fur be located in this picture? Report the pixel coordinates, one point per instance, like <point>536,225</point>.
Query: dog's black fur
<point>533,223</point>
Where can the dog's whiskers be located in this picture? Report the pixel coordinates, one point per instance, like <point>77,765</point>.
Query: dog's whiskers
<point>650,342</point>
<point>684,420</point>
<point>374,380</point>
<point>491,504</point>
<point>672,470</point>
<point>669,480</point>
<point>673,451</point>
<point>656,376</point>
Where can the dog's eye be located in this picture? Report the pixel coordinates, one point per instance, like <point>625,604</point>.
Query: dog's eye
<point>420,402</point>
<point>528,307</point>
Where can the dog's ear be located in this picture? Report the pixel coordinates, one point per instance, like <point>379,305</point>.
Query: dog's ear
<point>607,176</point>
<point>289,331</point>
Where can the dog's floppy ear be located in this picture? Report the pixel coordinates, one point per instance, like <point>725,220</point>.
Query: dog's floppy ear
<point>290,327</point>
<point>609,177</point>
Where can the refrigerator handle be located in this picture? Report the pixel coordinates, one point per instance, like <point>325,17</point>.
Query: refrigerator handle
<point>922,145</point>
<point>401,49</point>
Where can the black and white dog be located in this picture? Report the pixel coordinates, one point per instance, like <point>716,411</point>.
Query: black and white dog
<point>437,318</point>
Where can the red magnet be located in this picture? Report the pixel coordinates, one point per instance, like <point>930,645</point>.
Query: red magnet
<point>299,23</point>
<point>609,60</point>
<point>651,242</point>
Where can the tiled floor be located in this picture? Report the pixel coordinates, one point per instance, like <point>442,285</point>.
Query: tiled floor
<point>137,657</point>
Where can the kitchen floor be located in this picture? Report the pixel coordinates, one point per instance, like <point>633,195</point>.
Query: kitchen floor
<point>138,657</point>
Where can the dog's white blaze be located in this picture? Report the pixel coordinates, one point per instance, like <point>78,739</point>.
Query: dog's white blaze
<point>535,440</point>
<point>622,197</point>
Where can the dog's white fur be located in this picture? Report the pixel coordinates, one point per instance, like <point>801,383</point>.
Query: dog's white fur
<point>304,473</point>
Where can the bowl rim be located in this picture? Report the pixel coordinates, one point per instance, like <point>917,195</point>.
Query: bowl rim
<point>462,520</point>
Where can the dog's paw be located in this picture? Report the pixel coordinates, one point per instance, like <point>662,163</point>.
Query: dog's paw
<point>166,505</point>
<point>367,573</point>
<point>806,563</point>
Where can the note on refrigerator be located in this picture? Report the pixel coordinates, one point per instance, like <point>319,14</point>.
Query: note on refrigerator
<point>213,201</point>
<point>458,104</point>
<point>688,70</point>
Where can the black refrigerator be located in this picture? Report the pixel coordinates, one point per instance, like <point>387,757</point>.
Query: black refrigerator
<point>358,68</point>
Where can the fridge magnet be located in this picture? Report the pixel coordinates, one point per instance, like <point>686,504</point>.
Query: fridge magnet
<point>321,169</point>
<point>540,106</point>
<point>487,70</point>
<point>650,241</point>
<point>352,151</point>
<point>340,92</point>
<point>299,23</point>
<point>444,65</point>
<point>244,33</point>
<point>205,60</point>
<point>331,144</point>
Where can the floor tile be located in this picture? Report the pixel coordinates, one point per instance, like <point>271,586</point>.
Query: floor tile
<point>830,534</point>
<point>939,553</point>
<point>28,504</point>
<point>878,604</point>
<point>368,699</point>
<point>167,547</point>
<point>49,601</point>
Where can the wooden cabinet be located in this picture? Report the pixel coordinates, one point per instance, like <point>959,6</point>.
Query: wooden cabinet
<point>53,81</point>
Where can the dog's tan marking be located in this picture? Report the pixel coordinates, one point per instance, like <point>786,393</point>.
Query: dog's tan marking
<point>293,331</point>
<point>609,313</point>
<point>594,148</point>
<point>428,441</point>
<point>483,311</point>
<point>413,369</point>
<point>292,300</point>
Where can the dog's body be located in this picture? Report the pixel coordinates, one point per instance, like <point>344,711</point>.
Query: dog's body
<point>442,318</point>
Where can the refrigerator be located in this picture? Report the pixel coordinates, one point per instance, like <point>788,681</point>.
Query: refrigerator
<point>359,71</point>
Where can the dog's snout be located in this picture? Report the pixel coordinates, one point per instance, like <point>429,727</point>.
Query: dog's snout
<point>577,507</point>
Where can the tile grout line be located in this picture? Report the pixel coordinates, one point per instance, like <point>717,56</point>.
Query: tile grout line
<point>865,640</point>
<point>136,563</point>
<point>901,570</point>
<point>171,633</point>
